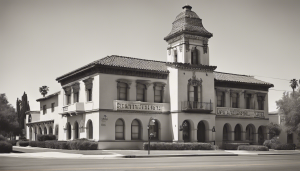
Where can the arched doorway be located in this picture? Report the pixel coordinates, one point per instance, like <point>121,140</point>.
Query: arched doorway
<point>261,134</point>
<point>50,130</point>
<point>30,133</point>
<point>45,131</point>
<point>68,126</point>
<point>76,130</point>
<point>154,129</point>
<point>186,131</point>
<point>90,129</point>
<point>201,132</point>
<point>226,132</point>
<point>238,133</point>
<point>250,132</point>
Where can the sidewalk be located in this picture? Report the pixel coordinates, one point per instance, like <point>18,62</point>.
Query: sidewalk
<point>36,152</point>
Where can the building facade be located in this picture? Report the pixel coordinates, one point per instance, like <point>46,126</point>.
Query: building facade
<point>117,99</point>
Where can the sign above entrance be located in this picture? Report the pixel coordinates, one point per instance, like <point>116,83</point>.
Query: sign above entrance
<point>140,106</point>
<point>224,111</point>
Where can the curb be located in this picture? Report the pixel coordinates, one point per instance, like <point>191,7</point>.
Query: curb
<point>177,155</point>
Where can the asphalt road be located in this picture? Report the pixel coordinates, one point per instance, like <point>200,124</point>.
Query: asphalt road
<point>266,162</point>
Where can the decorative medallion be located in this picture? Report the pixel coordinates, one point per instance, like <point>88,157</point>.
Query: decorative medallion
<point>194,81</point>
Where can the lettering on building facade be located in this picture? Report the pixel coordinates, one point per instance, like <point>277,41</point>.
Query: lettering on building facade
<point>240,112</point>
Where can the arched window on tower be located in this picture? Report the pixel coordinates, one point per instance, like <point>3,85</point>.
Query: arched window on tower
<point>194,56</point>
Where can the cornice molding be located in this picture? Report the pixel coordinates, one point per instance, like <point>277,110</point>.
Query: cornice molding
<point>187,66</point>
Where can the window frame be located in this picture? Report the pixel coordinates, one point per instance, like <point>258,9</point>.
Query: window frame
<point>235,97</point>
<point>44,109</point>
<point>122,130</point>
<point>221,94</point>
<point>138,127</point>
<point>52,107</point>
<point>121,82</point>
<point>157,85</point>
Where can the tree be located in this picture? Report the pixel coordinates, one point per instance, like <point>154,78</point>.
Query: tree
<point>44,90</point>
<point>274,129</point>
<point>290,106</point>
<point>294,84</point>
<point>8,118</point>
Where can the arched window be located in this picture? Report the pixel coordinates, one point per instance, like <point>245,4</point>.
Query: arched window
<point>30,133</point>
<point>237,133</point>
<point>90,129</point>
<point>50,130</point>
<point>69,135</point>
<point>194,92</point>
<point>135,130</point>
<point>225,133</point>
<point>250,131</point>
<point>76,130</point>
<point>45,131</point>
<point>119,134</point>
<point>194,56</point>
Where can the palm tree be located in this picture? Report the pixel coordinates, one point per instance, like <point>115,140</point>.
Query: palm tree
<point>294,84</point>
<point>44,90</point>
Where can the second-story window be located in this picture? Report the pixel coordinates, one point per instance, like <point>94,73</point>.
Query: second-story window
<point>248,101</point>
<point>141,92</point>
<point>123,86</point>
<point>44,109</point>
<point>260,101</point>
<point>52,107</point>
<point>158,92</point>
<point>175,55</point>
<point>89,88</point>
<point>67,95</point>
<point>220,99</point>
<point>235,100</point>
<point>75,88</point>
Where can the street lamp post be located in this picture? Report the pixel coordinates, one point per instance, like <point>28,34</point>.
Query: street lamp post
<point>151,123</point>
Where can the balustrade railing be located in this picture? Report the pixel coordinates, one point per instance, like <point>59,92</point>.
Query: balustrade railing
<point>194,105</point>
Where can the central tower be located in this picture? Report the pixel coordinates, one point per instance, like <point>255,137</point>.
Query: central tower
<point>188,39</point>
<point>191,78</point>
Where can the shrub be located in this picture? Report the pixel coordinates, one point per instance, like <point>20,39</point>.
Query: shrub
<point>274,129</point>
<point>32,143</point>
<point>285,147</point>
<point>41,137</point>
<point>2,138</point>
<point>50,144</point>
<point>23,143</point>
<point>37,144</point>
<point>253,148</point>
<point>232,146</point>
<point>12,142</point>
<point>82,144</point>
<point>179,146</point>
<point>5,147</point>
<point>272,143</point>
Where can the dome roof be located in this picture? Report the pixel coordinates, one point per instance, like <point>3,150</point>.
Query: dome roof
<point>188,22</point>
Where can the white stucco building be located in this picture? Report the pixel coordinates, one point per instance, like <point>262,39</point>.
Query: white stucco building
<point>112,99</point>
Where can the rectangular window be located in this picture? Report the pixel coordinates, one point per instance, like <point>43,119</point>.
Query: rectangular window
<point>235,99</point>
<point>260,102</point>
<point>248,101</point>
<point>220,99</point>
<point>89,94</point>
<point>52,107</point>
<point>44,109</point>
<point>158,94</point>
<point>68,99</point>
<point>76,97</point>
<point>140,94</point>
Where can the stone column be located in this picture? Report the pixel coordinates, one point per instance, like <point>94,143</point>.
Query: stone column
<point>194,137</point>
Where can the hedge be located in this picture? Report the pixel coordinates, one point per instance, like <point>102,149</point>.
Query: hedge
<point>179,146</point>
<point>272,143</point>
<point>23,143</point>
<point>285,147</point>
<point>12,142</point>
<point>41,137</point>
<point>71,145</point>
<point>253,148</point>
<point>5,147</point>
<point>232,146</point>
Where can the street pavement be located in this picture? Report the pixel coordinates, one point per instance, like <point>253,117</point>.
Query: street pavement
<point>220,163</point>
<point>36,152</point>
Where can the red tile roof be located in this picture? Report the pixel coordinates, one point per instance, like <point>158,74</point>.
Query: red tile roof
<point>221,76</point>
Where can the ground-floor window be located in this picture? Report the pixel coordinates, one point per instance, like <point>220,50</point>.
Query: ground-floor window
<point>226,132</point>
<point>186,131</point>
<point>119,130</point>
<point>201,132</point>
<point>135,130</point>
<point>250,131</point>
<point>90,129</point>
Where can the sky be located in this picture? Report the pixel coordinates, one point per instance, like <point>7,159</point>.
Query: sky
<point>42,40</point>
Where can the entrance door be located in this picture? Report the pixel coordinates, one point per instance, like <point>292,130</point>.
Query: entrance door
<point>186,131</point>
<point>201,132</point>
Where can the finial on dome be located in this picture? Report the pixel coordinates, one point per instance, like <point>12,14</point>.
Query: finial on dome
<point>187,7</point>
